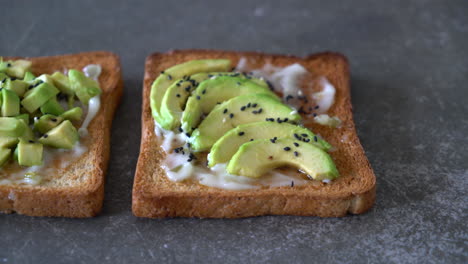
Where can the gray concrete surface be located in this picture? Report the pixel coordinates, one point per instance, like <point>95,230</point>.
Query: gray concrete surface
<point>410,96</point>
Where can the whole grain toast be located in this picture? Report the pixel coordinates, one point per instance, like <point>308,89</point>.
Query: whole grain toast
<point>79,189</point>
<point>154,195</point>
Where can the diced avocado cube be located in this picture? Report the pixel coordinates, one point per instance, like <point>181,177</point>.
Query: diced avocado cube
<point>46,78</point>
<point>38,96</point>
<point>29,76</point>
<point>73,114</point>
<point>5,155</point>
<point>62,83</point>
<point>52,107</point>
<point>10,103</point>
<point>18,68</point>
<point>84,87</point>
<point>11,127</point>
<point>24,117</point>
<point>28,134</point>
<point>46,123</point>
<point>30,153</point>
<point>17,86</point>
<point>8,142</point>
<point>63,136</point>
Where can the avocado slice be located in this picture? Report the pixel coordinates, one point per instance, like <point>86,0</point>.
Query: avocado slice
<point>17,86</point>
<point>73,114</point>
<point>38,96</point>
<point>171,75</point>
<point>17,68</point>
<point>239,110</point>
<point>11,127</point>
<point>5,155</point>
<point>63,136</point>
<point>255,158</point>
<point>30,153</point>
<point>46,123</point>
<point>46,78</point>
<point>84,87</point>
<point>62,83</point>
<point>24,117</point>
<point>214,91</point>
<point>52,107</point>
<point>29,77</point>
<point>8,142</point>
<point>10,103</point>
<point>175,98</point>
<point>223,150</point>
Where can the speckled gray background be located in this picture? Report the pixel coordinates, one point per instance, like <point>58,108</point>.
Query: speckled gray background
<point>409,63</point>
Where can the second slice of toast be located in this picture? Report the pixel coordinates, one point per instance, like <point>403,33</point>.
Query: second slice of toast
<point>78,189</point>
<point>154,195</point>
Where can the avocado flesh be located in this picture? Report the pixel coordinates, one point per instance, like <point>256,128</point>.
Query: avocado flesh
<point>211,92</point>
<point>175,98</point>
<point>171,75</point>
<point>18,68</point>
<point>24,117</point>
<point>46,78</point>
<point>17,86</point>
<point>11,127</point>
<point>38,96</point>
<point>223,150</point>
<point>52,107</point>
<point>254,159</point>
<point>73,114</point>
<point>10,103</point>
<point>63,136</point>
<point>8,142</point>
<point>29,76</point>
<point>30,154</point>
<point>5,155</point>
<point>62,83</point>
<point>219,121</point>
<point>84,87</point>
<point>46,123</point>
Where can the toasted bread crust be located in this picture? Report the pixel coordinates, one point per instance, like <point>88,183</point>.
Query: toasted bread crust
<point>354,192</point>
<point>83,198</point>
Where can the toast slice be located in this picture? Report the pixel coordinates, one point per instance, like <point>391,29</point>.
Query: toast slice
<point>78,191</point>
<point>155,196</point>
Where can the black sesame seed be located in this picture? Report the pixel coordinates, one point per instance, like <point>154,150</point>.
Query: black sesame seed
<point>251,139</point>
<point>296,144</point>
<point>287,148</point>
<point>260,110</point>
<point>187,89</point>
<point>53,120</point>
<point>315,138</point>
<point>181,130</point>
<point>241,133</point>
<point>248,105</point>
<point>204,91</point>
<point>289,97</point>
<point>316,107</point>
<point>225,111</point>
<point>178,84</point>
<point>169,77</point>
<point>183,152</point>
<point>178,95</point>
<point>242,108</point>
<point>238,83</point>
<point>210,75</point>
<point>279,120</point>
<point>231,115</point>
<point>198,97</point>
<point>45,135</point>
<point>297,136</point>
<point>296,153</point>
<point>315,114</point>
<point>292,183</point>
<point>270,85</point>
<point>254,105</point>
<point>233,69</point>
<point>304,135</point>
<point>273,140</point>
<point>187,134</point>
<point>176,150</point>
<point>189,145</point>
<point>162,72</point>
<point>286,119</point>
<point>306,140</point>
<point>31,141</point>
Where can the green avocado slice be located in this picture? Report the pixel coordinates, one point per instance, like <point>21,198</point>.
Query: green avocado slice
<point>53,107</point>
<point>29,76</point>
<point>223,150</point>
<point>5,155</point>
<point>16,68</point>
<point>63,136</point>
<point>73,114</point>
<point>8,142</point>
<point>30,153</point>
<point>46,123</point>
<point>17,86</point>
<point>84,87</point>
<point>213,91</point>
<point>38,96</point>
<point>255,158</point>
<point>10,103</point>
<point>239,110</point>
<point>175,98</point>
<point>11,127</point>
<point>171,75</point>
